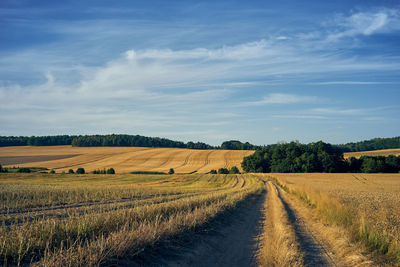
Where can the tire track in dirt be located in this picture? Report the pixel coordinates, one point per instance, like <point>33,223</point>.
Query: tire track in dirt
<point>315,253</point>
<point>229,240</point>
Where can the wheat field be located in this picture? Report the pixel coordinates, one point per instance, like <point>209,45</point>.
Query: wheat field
<point>383,152</point>
<point>367,205</point>
<point>122,159</point>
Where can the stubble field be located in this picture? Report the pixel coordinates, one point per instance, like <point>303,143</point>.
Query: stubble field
<point>122,159</point>
<point>91,220</point>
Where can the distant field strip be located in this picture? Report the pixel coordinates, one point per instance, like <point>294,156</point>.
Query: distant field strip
<point>122,159</point>
<point>383,152</point>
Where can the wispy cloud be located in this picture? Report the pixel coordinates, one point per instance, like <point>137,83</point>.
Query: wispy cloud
<point>309,117</point>
<point>349,83</point>
<point>336,111</point>
<point>276,98</point>
<point>366,23</point>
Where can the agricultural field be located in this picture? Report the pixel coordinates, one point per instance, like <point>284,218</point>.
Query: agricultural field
<point>308,219</point>
<point>366,205</point>
<point>122,159</point>
<point>91,220</point>
<point>383,152</point>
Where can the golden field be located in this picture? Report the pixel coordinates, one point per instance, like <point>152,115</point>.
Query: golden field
<point>368,205</point>
<point>383,152</point>
<point>92,220</point>
<point>122,159</point>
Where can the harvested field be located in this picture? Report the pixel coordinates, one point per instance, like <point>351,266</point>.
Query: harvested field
<point>122,159</point>
<point>91,220</point>
<point>383,152</point>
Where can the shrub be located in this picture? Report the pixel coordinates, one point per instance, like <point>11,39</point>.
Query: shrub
<point>234,170</point>
<point>3,169</point>
<point>213,172</point>
<point>171,171</point>
<point>223,171</point>
<point>52,171</point>
<point>80,171</point>
<point>70,171</point>
<point>111,171</point>
<point>24,170</point>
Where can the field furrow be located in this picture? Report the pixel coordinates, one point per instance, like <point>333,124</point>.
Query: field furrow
<point>122,159</point>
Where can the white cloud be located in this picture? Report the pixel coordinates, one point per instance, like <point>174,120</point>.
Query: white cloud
<point>349,83</point>
<point>333,111</point>
<point>277,98</point>
<point>366,23</point>
<point>312,117</point>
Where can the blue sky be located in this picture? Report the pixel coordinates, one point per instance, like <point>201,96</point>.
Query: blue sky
<point>261,72</point>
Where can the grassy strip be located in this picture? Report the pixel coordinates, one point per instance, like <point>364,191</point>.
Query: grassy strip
<point>335,213</point>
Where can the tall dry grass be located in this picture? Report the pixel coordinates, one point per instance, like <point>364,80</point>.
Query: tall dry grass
<point>359,230</point>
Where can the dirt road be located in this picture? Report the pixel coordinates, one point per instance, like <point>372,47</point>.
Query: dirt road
<point>230,240</point>
<point>239,237</point>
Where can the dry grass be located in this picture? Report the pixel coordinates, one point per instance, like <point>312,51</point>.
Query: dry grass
<point>126,159</point>
<point>367,205</point>
<point>279,246</point>
<point>87,220</point>
<point>383,152</point>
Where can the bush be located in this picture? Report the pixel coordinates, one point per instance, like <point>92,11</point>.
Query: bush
<point>24,170</point>
<point>213,172</point>
<point>110,171</point>
<point>223,171</point>
<point>80,171</point>
<point>52,171</point>
<point>171,171</point>
<point>70,171</point>
<point>234,170</point>
<point>3,169</point>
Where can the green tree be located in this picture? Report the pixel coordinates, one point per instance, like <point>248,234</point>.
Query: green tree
<point>80,171</point>
<point>223,171</point>
<point>24,170</point>
<point>213,172</point>
<point>234,170</point>
<point>111,171</point>
<point>70,171</point>
<point>171,171</point>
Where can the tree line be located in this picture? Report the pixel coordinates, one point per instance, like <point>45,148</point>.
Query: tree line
<point>116,140</point>
<point>294,157</point>
<point>373,144</point>
<point>143,141</point>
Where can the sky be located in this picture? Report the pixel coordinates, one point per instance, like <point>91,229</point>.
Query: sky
<point>209,71</point>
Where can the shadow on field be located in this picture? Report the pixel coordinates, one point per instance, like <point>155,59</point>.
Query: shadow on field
<point>313,251</point>
<point>230,239</point>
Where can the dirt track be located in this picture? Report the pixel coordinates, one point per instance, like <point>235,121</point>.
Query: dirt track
<point>230,240</point>
<point>236,239</point>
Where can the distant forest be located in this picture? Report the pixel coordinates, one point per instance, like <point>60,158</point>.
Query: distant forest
<point>373,144</point>
<point>143,141</point>
<point>315,157</point>
<point>115,140</point>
